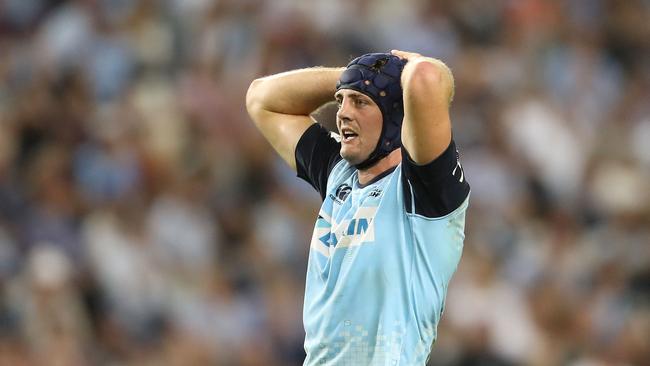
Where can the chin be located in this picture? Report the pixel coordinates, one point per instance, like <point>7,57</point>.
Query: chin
<point>351,158</point>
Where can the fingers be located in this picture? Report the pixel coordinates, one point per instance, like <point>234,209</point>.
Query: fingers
<point>405,55</point>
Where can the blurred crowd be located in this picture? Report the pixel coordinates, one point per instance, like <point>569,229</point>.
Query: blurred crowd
<point>144,220</point>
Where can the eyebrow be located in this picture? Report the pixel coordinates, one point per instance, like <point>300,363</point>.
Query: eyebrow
<point>355,95</point>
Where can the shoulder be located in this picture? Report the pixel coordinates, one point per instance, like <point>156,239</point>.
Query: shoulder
<point>316,154</point>
<point>317,134</point>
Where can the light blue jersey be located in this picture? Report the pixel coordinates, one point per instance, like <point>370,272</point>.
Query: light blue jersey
<point>380,262</point>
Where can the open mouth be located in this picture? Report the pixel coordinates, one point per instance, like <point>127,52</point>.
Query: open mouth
<point>348,135</point>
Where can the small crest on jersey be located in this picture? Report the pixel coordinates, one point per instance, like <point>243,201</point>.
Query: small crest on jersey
<point>342,192</point>
<point>376,192</point>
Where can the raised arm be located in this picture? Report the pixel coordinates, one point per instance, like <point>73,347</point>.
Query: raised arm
<point>428,88</point>
<point>280,105</point>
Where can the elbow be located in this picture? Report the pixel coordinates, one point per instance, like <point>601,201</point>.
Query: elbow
<point>427,77</point>
<point>253,97</point>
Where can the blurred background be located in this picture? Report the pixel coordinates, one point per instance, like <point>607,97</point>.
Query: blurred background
<point>144,220</point>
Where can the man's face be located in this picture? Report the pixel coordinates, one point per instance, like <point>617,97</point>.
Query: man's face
<point>359,122</point>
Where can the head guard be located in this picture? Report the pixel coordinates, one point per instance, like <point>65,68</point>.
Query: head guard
<point>377,75</point>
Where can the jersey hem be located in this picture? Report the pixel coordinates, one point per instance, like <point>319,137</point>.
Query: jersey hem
<point>452,213</point>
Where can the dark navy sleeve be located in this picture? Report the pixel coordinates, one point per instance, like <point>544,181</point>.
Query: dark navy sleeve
<point>316,154</point>
<point>437,188</point>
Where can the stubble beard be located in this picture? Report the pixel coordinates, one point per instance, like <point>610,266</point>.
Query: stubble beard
<point>353,158</point>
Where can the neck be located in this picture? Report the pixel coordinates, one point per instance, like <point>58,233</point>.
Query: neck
<point>390,161</point>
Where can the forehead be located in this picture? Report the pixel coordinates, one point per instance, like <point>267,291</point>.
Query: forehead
<point>350,94</point>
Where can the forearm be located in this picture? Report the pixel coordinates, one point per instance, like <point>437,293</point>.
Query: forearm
<point>297,92</point>
<point>428,88</point>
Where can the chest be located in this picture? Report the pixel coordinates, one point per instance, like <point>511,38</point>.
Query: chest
<point>352,213</point>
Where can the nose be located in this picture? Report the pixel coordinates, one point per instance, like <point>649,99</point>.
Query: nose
<point>343,114</point>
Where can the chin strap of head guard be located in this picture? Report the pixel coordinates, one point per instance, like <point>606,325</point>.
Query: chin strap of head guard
<point>377,75</point>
